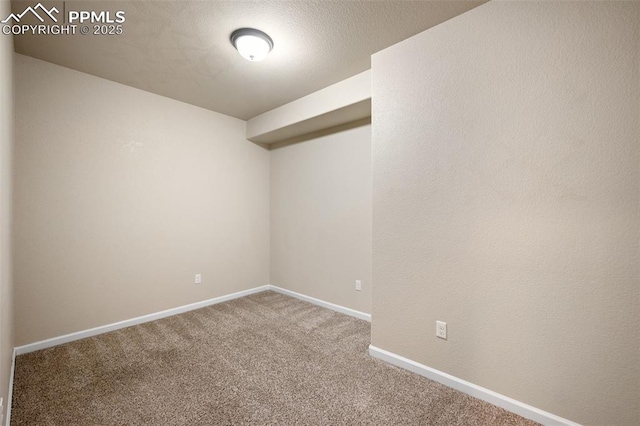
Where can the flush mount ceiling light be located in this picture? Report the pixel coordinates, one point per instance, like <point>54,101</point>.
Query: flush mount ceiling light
<point>253,45</point>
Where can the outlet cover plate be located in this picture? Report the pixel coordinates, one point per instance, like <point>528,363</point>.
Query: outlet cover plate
<point>441,330</point>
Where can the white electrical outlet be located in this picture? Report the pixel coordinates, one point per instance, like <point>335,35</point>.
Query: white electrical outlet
<point>441,330</point>
<point>358,285</point>
<point>198,278</point>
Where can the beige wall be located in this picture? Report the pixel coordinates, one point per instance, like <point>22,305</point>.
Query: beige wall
<point>321,217</point>
<point>6,142</point>
<point>121,197</point>
<point>506,203</point>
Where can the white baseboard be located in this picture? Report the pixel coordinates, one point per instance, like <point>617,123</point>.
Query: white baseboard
<point>328,305</point>
<point>55,341</point>
<point>476,391</point>
<point>10,394</point>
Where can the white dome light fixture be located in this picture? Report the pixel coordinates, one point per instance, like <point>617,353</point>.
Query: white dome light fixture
<point>253,45</point>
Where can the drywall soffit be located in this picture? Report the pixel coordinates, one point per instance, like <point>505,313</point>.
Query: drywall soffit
<point>338,104</point>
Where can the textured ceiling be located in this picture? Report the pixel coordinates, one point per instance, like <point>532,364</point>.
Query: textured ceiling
<point>181,49</point>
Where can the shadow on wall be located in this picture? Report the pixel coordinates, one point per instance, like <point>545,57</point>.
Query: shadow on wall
<point>320,133</point>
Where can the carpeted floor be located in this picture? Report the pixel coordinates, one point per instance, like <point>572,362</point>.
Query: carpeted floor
<point>262,359</point>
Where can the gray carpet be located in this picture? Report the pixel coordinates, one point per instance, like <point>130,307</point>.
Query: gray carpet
<point>262,359</point>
